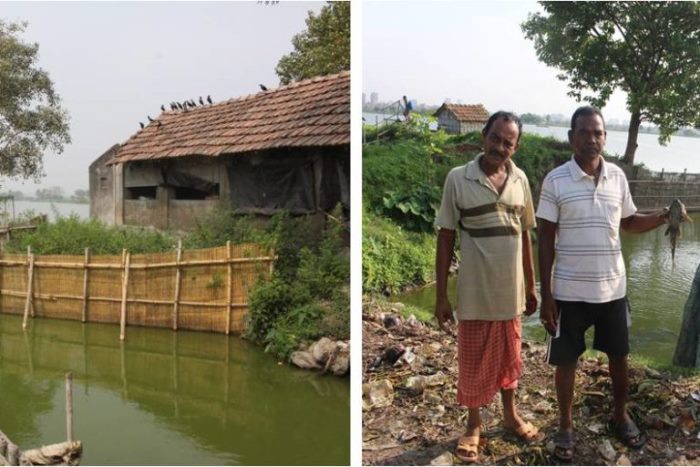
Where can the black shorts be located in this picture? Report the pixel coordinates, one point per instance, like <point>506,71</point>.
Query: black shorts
<point>610,322</point>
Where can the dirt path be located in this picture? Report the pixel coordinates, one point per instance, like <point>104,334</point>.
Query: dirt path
<point>410,414</point>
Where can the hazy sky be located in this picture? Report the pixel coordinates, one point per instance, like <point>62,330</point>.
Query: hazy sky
<point>115,63</point>
<point>473,51</point>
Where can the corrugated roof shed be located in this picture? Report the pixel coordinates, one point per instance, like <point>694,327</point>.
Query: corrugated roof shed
<point>466,113</point>
<point>313,112</point>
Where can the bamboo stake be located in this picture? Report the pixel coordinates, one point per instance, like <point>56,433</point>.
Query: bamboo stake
<point>85,284</point>
<point>229,295</point>
<point>69,407</point>
<point>125,291</point>
<point>30,280</point>
<point>178,276</point>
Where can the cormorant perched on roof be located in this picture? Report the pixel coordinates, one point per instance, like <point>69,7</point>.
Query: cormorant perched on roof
<point>149,118</point>
<point>193,103</point>
<point>162,107</point>
<point>142,125</point>
<point>201,101</point>
<point>263,87</point>
<point>209,99</point>
<point>173,106</point>
<point>179,106</point>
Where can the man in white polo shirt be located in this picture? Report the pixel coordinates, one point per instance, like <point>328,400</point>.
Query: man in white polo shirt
<point>583,204</point>
<point>489,201</point>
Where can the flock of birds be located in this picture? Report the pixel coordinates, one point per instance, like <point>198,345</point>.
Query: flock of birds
<point>185,106</point>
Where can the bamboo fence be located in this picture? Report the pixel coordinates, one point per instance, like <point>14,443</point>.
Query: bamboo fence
<point>202,290</point>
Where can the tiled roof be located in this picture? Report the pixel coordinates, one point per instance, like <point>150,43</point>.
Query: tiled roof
<point>466,113</point>
<point>313,112</point>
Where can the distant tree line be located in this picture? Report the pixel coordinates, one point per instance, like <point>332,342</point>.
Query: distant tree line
<point>559,120</point>
<point>54,193</point>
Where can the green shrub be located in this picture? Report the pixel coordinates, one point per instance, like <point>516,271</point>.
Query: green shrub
<point>308,296</point>
<point>71,235</point>
<point>394,259</point>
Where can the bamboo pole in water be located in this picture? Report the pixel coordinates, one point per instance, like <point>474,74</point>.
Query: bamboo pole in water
<point>30,280</point>
<point>125,292</point>
<point>229,294</point>
<point>178,277</point>
<point>69,407</point>
<point>86,274</point>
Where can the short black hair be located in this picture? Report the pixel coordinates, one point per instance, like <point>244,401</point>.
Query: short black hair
<point>585,111</point>
<point>507,116</point>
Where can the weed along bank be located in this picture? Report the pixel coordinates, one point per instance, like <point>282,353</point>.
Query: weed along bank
<point>280,149</point>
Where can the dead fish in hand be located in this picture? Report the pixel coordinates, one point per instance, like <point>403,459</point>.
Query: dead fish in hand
<point>676,215</point>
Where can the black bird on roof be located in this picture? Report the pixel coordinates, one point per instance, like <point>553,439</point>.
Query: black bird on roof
<point>162,108</point>
<point>193,104</point>
<point>209,99</point>
<point>179,106</point>
<point>263,87</point>
<point>173,106</point>
<point>201,101</point>
<point>142,125</point>
<point>149,118</point>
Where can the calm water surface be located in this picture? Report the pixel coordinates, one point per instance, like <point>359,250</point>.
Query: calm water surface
<point>656,287</point>
<point>165,398</point>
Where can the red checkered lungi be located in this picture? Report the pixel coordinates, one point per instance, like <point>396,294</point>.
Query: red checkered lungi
<point>489,360</point>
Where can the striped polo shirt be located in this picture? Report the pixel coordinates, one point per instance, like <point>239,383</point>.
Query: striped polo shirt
<point>490,283</point>
<point>588,263</point>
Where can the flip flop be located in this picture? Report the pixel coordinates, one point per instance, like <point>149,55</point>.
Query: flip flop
<point>564,445</point>
<point>468,449</point>
<point>526,432</point>
<point>628,433</point>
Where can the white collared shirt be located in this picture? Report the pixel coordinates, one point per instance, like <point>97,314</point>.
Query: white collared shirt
<point>588,262</point>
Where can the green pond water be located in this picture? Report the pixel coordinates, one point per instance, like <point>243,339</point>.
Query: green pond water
<point>657,289</point>
<point>166,398</point>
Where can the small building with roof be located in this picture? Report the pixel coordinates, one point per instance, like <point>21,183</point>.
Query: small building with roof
<point>461,118</point>
<point>281,149</point>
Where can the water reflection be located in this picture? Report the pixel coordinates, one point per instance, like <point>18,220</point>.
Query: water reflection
<point>167,398</point>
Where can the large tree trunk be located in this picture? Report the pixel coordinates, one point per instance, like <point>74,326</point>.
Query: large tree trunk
<point>632,133</point>
<point>687,352</point>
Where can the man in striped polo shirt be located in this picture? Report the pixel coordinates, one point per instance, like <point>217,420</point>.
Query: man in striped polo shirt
<point>489,201</point>
<point>583,204</point>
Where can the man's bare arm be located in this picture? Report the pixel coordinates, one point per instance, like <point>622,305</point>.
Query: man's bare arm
<point>443,259</point>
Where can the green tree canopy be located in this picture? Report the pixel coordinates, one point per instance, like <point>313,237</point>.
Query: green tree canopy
<point>31,118</point>
<point>322,49</point>
<point>649,50</point>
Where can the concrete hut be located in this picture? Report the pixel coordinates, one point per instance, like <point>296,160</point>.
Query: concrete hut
<point>460,118</point>
<point>281,149</point>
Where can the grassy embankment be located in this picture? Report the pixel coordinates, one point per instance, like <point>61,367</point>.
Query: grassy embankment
<point>307,298</point>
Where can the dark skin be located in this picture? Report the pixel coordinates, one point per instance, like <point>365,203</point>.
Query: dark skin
<point>500,143</point>
<point>587,140</point>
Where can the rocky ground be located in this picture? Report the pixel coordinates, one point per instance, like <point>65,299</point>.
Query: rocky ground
<point>410,414</point>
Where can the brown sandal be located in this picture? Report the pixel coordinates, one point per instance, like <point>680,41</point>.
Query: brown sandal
<point>468,449</point>
<point>526,432</point>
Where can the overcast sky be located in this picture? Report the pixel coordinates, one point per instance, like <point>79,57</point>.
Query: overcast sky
<point>115,63</point>
<point>469,51</point>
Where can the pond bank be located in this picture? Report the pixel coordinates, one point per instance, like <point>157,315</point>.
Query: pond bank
<point>414,420</point>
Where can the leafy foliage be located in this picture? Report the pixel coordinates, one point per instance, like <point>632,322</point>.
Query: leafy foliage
<point>71,235</point>
<point>308,296</point>
<point>322,49</point>
<point>649,50</point>
<point>393,258</point>
<point>31,118</point>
